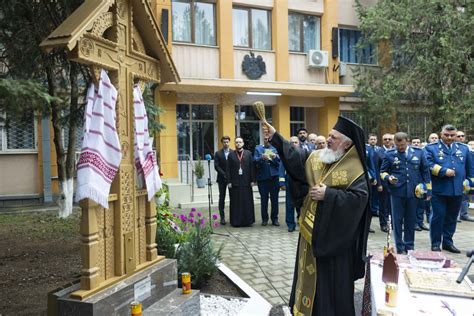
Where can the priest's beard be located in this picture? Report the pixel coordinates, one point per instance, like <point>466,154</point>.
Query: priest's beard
<point>329,156</point>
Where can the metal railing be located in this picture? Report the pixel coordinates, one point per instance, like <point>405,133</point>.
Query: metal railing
<point>185,159</point>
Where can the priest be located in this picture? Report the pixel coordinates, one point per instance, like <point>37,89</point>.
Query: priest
<point>334,220</point>
<point>241,177</point>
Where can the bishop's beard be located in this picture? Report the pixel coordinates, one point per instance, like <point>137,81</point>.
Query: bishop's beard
<point>329,156</point>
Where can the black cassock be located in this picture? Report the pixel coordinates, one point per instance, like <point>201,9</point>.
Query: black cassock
<point>339,237</point>
<point>241,196</point>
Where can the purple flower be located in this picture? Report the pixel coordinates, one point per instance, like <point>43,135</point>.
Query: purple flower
<point>191,220</point>
<point>193,209</point>
<point>174,215</point>
<point>202,221</point>
<point>191,214</point>
<point>214,216</point>
<point>215,225</point>
<point>182,217</point>
<point>199,214</point>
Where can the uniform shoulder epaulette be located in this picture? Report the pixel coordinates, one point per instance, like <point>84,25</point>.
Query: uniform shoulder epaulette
<point>432,144</point>
<point>459,143</point>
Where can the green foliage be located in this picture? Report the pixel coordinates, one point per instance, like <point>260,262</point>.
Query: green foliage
<point>198,256</point>
<point>425,61</point>
<point>195,251</point>
<point>199,168</point>
<point>24,95</point>
<point>153,111</point>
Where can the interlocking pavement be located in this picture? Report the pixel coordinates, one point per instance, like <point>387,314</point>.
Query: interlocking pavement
<point>264,257</point>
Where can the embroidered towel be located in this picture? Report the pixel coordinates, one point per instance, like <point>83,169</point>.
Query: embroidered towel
<point>145,161</point>
<point>100,154</point>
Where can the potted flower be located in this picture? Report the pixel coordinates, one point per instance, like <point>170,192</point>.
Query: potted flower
<point>199,172</point>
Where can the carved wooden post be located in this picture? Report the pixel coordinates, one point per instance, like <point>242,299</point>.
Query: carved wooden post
<point>150,222</point>
<point>89,245</point>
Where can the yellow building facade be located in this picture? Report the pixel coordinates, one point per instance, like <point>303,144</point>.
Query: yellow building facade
<point>210,42</point>
<point>307,47</point>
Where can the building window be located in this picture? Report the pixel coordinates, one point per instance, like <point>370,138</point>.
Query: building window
<point>252,28</point>
<point>304,32</point>
<point>17,134</point>
<point>297,115</point>
<point>249,127</point>
<point>350,53</point>
<point>194,22</point>
<point>195,126</point>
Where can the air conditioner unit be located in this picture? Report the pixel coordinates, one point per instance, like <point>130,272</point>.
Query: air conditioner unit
<point>317,58</point>
<point>342,69</point>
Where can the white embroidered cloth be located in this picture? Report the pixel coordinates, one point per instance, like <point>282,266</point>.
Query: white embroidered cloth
<point>100,153</point>
<point>145,161</point>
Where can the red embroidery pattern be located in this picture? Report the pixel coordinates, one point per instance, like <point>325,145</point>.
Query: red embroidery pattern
<point>94,160</point>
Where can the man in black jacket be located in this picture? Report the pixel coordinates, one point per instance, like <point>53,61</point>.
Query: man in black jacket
<point>220,164</point>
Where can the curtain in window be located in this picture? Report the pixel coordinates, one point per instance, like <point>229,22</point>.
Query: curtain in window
<point>311,32</point>
<point>260,29</point>
<point>204,24</point>
<point>181,21</point>
<point>240,27</point>
<point>294,30</point>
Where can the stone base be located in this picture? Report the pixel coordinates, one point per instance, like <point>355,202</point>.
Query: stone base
<point>150,285</point>
<point>176,304</point>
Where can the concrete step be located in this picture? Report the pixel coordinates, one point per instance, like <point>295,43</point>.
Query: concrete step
<point>176,303</point>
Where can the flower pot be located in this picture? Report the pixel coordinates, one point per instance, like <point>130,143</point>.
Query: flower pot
<point>201,182</point>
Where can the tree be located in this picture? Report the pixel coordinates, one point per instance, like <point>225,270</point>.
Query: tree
<point>425,61</point>
<point>51,83</point>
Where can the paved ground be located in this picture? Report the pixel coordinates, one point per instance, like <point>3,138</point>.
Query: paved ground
<point>259,254</point>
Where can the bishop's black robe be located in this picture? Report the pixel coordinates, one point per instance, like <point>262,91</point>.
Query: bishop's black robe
<point>242,211</point>
<point>339,237</point>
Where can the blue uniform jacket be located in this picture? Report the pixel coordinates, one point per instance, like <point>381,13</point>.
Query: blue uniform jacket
<point>440,158</point>
<point>266,169</point>
<point>370,152</point>
<point>410,170</point>
<point>379,156</point>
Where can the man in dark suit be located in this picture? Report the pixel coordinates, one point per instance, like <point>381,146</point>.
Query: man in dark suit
<point>220,164</point>
<point>302,136</point>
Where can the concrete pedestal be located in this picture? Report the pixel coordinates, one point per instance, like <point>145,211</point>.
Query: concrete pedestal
<point>147,287</point>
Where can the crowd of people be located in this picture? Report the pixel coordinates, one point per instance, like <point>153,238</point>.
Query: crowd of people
<point>335,186</point>
<point>417,184</point>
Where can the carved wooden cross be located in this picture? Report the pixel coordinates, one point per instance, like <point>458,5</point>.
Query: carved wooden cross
<point>122,37</point>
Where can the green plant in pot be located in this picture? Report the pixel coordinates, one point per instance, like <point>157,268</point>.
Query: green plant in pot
<point>199,172</point>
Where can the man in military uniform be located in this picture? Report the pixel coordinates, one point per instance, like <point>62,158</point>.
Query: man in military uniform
<point>404,168</point>
<point>370,150</point>
<point>421,206</point>
<point>450,164</point>
<point>383,190</point>
<point>464,211</point>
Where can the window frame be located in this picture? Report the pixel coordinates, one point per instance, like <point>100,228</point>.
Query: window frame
<point>303,15</point>
<point>357,50</point>
<point>4,138</point>
<point>298,122</point>
<point>249,30</point>
<point>192,21</point>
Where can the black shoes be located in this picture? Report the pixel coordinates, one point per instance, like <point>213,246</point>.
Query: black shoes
<point>435,248</point>
<point>401,252</point>
<point>264,223</point>
<point>291,229</point>
<point>423,227</point>
<point>371,231</point>
<point>275,223</point>
<point>451,248</point>
<point>418,229</point>
<point>223,222</point>
<point>384,229</point>
<point>467,218</point>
